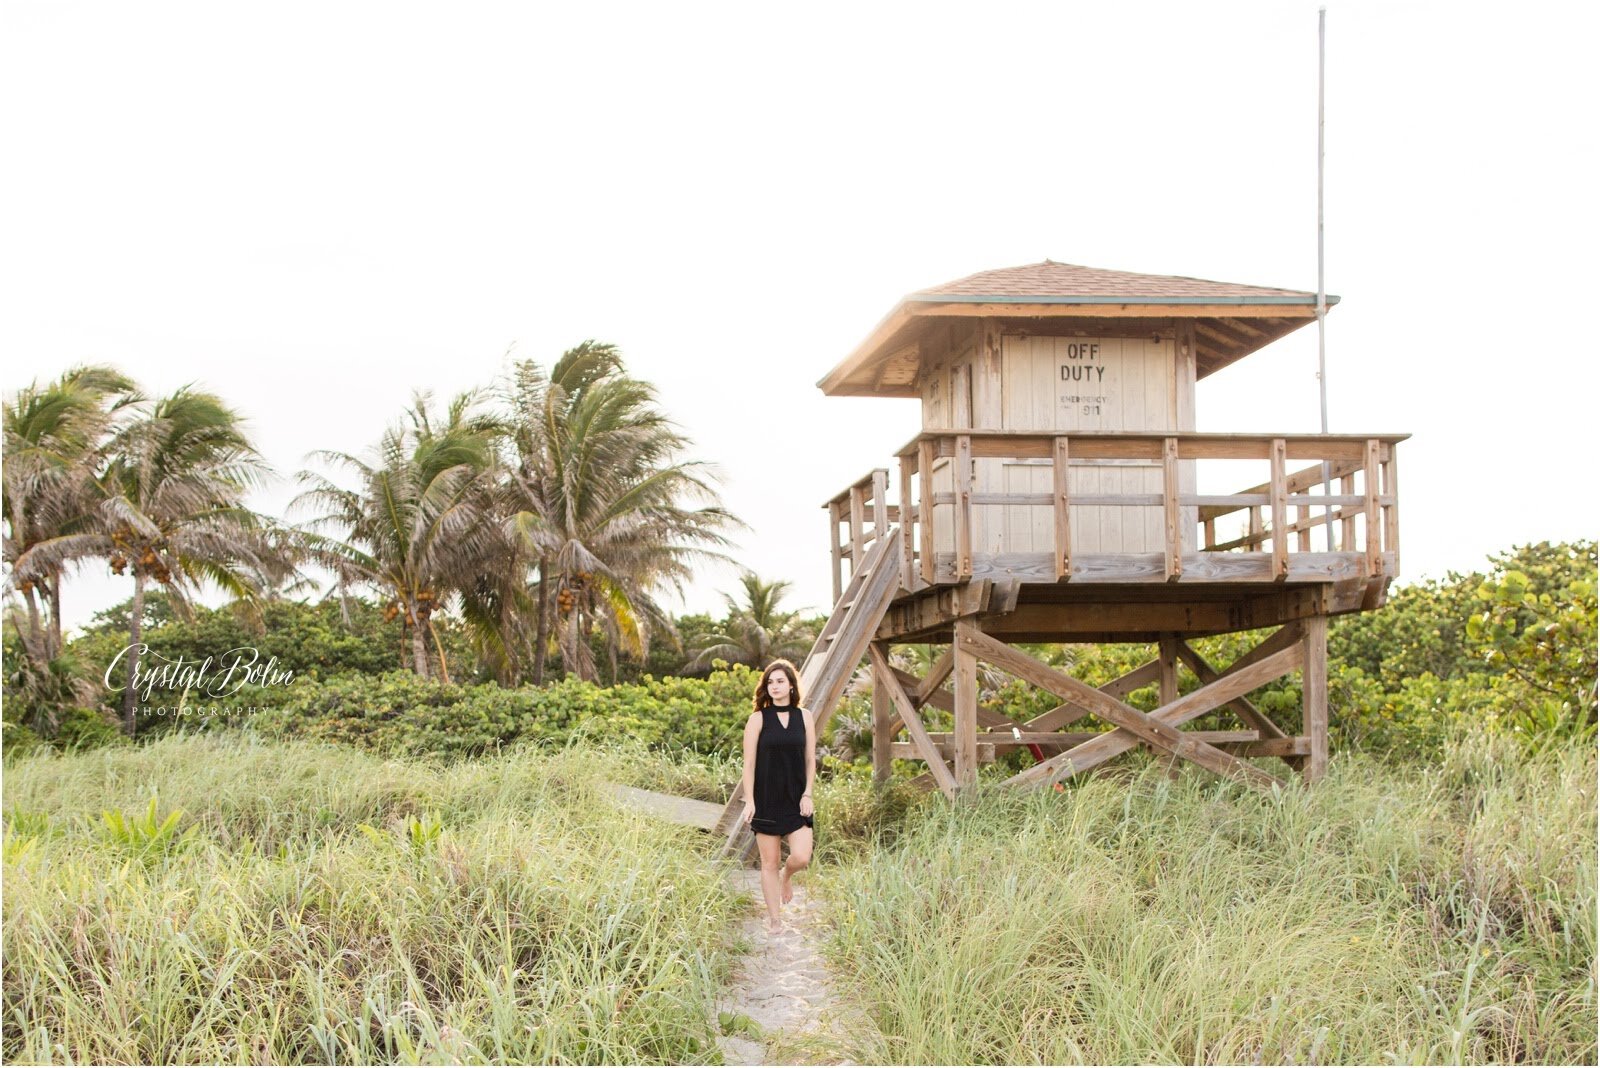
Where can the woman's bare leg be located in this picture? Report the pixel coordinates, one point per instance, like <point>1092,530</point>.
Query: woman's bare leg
<point>769,846</point>
<point>799,857</point>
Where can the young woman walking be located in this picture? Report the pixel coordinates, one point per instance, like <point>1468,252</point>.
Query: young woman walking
<point>780,764</point>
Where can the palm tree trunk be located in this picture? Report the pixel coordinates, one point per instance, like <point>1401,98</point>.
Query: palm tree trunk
<point>419,651</point>
<point>130,695</point>
<point>52,596</point>
<point>541,630</point>
<point>38,642</point>
<point>444,669</point>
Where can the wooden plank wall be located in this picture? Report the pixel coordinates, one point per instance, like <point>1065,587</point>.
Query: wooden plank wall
<point>1151,388</point>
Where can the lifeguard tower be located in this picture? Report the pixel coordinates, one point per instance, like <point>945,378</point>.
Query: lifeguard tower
<point>1059,492</point>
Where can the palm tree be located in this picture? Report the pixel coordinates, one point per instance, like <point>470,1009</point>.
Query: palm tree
<point>420,525</point>
<point>53,440</point>
<point>596,501</point>
<point>168,506</point>
<point>755,631</point>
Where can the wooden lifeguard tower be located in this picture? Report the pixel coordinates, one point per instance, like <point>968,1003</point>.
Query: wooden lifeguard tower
<point>1058,491</point>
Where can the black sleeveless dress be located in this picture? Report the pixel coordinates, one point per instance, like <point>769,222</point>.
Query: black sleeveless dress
<point>780,773</point>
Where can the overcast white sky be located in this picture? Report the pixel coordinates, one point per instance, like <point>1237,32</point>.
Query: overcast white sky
<point>314,208</point>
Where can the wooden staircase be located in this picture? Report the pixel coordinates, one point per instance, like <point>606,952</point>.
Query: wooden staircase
<point>828,667</point>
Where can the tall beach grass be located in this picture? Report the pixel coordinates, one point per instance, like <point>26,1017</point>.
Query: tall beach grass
<point>321,905</point>
<point>1432,915</point>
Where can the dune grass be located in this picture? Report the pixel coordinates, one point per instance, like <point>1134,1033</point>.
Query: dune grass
<point>1438,915</point>
<point>320,905</point>
<point>312,904</point>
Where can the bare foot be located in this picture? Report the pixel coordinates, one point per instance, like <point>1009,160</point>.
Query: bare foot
<point>788,890</point>
<point>774,927</point>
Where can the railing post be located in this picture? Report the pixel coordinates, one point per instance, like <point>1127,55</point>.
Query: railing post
<point>963,488</point>
<point>907,523</point>
<point>1347,521</point>
<point>1391,511</point>
<point>880,502</point>
<point>1280,509</point>
<point>1063,500</point>
<point>858,525</point>
<point>834,550</point>
<point>925,507</point>
<point>1373,558</point>
<point>1172,543</point>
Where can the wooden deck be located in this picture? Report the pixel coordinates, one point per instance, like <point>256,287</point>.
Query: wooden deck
<point>1290,535</point>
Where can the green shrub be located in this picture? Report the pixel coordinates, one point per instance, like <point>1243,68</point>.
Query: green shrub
<point>403,714</point>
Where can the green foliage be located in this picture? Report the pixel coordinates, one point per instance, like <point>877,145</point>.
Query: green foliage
<point>418,835</point>
<point>738,1023</point>
<point>1511,651</point>
<point>308,639</point>
<point>401,713</point>
<point>145,837</point>
<point>1541,633</point>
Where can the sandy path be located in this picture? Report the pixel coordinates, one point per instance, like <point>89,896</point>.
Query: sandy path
<point>783,985</point>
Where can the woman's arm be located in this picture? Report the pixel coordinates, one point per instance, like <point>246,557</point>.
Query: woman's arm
<point>807,803</point>
<point>752,732</point>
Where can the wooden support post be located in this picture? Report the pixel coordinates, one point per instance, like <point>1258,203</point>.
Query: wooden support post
<point>1167,658</point>
<point>1170,489</point>
<point>1254,537</point>
<point>963,488</point>
<point>882,732</point>
<point>1372,560</point>
<point>1314,696</point>
<point>966,725</point>
<point>1168,682</point>
<point>1063,529</point>
<point>908,533</point>
<point>1211,533</point>
<point>925,506</point>
<point>1280,510</point>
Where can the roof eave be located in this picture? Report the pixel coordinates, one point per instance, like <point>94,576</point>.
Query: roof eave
<point>963,298</point>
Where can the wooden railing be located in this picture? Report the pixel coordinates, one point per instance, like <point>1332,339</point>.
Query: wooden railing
<point>1277,518</point>
<point>867,497</point>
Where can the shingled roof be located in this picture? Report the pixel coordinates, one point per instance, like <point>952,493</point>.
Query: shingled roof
<point>1230,320</point>
<point>1053,282</point>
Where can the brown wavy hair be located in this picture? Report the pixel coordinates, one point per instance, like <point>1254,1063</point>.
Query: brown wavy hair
<point>763,699</point>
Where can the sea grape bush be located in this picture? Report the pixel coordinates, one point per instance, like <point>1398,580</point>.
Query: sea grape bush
<point>399,713</point>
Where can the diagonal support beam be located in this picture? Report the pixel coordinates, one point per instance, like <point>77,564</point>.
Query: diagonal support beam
<point>937,674</point>
<point>1070,712</point>
<point>1246,711</point>
<point>1234,682</point>
<point>883,675</point>
<point>1136,726</point>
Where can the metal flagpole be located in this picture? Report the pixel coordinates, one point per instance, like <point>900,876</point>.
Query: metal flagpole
<point>1322,293</point>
